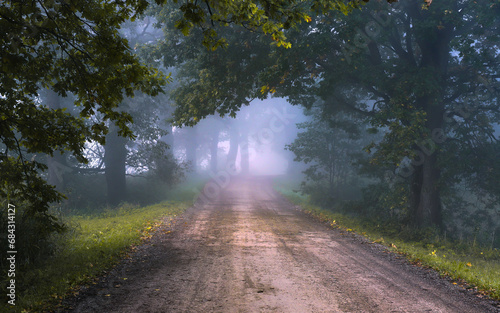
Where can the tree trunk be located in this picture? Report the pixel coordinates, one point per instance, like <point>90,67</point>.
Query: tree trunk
<point>57,167</point>
<point>430,198</point>
<point>331,169</point>
<point>191,146</point>
<point>245,154</point>
<point>56,164</point>
<point>234,138</point>
<point>214,148</point>
<point>425,196</point>
<point>169,139</point>
<point>114,158</point>
<point>434,43</point>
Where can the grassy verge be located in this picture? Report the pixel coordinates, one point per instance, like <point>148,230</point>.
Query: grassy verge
<point>91,247</point>
<point>468,266</point>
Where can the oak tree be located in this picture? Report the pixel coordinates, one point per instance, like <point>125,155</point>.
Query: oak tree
<point>69,47</point>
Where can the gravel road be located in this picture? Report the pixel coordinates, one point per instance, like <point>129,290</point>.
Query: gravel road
<point>250,250</point>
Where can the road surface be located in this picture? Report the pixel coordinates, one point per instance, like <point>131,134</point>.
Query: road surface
<point>249,250</point>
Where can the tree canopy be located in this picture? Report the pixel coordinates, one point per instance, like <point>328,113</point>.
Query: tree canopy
<point>267,16</point>
<point>70,47</point>
<point>74,48</point>
<point>427,75</point>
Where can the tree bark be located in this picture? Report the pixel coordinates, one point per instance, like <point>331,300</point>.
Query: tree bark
<point>114,158</point>
<point>430,198</point>
<point>425,196</point>
<point>425,189</point>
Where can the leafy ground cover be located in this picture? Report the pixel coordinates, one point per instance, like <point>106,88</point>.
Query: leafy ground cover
<point>468,265</point>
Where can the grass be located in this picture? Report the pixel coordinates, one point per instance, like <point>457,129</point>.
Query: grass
<point>467,265</point>
<point>92,246</point>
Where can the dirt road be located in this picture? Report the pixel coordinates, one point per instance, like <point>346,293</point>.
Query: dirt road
<point>251,251</point>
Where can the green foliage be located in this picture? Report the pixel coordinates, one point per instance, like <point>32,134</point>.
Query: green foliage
<point>220,79</point>
<point>86,194</point>
<point>248,31</point>
<point>268,17</point>
<point>32,235</point>
<point>395,65</point>
<point>386,201</point>
<point>437,111</point>
<point>92,246</point>
<point>147,154</point>
<point>329,146</point>
<point>95,240</point>
<point>71,48</point>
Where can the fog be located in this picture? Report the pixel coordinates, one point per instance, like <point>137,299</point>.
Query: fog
<point>259,132</point>
<point>361,140</point>
<point>394,129</point>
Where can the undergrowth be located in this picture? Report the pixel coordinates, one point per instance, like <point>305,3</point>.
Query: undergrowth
<point>94,243</point>
<point>470,266</point>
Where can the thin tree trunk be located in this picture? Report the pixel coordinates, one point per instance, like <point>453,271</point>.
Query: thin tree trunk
<point>191,146</point>
<point>214,148</point>
<point>56,164</point>
<point>245,154</point>
<point>234,138</point>
<point>169,139</point>
<point>114,159</point>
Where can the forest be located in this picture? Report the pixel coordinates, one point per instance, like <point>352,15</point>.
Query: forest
<point>386,112</point>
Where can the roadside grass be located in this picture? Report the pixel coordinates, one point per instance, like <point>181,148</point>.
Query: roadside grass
<point>93,244</point>
<point>469,266</point>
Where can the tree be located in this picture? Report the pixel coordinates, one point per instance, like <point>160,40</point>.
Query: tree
<point>147,155</point>
<point>142,110</point>
<point>270,17</point>
<point>223,80</point>
<point>330,147</point>
<point>431,73</point>
<point>74,48</point>
<point>55,162</point>
<point>68,47</point>
<point>115,158</point>
<point>238,129</point>
<point>210,133</point>
<point>244,152</point>
<point>214,148</point>
<point>428,75</point>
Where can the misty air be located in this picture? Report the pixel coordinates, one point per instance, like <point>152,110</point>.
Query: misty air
<point>250,156</point>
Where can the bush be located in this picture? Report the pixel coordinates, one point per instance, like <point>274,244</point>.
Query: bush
<point>32,235</point>
<point>386,201</point>
<point>319,194</point>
